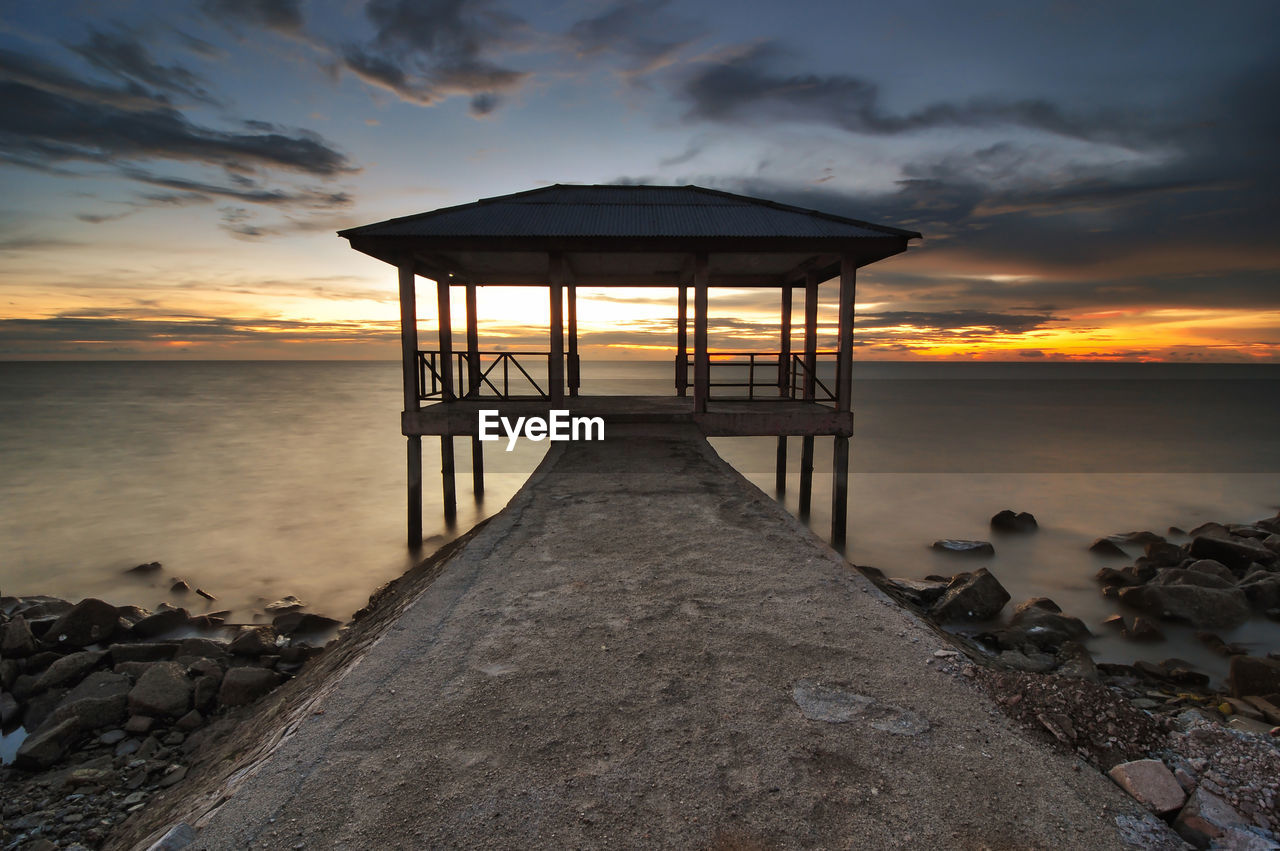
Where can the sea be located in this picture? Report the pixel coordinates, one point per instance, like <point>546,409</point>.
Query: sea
<point>256,480</point>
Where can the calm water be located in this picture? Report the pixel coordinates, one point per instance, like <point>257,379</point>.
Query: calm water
<point>256,480</point>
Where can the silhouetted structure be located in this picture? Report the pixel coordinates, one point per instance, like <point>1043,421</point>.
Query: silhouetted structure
<point>563,236</point>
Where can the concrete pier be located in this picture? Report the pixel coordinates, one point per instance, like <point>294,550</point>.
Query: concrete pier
<point>645,651</point>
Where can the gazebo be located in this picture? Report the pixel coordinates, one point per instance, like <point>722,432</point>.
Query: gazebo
<point>682,237</point>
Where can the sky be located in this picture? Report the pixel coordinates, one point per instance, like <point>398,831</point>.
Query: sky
<point>1093,180</point>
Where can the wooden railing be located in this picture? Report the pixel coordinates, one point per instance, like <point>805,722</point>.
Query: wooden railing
<point>765,375</point>
<point>498,374</point>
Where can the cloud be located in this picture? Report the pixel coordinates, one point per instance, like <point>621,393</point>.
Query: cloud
<point>283,16</point>
<point>125,57</point>
<point>639,31</point>
<point>954,320</point>
<point>745,87</point>
<point>425,51</point>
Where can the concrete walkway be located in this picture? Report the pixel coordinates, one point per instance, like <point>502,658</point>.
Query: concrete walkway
<point>645,651</point>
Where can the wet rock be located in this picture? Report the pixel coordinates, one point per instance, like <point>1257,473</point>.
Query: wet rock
<point>1217,568</point>
<point>1125,577</point>
<point>1249,675</point>
<point>1150,783</point>
<point>284,604</point>
<point>1235,553</point>
<point>143,652</point>
<point>191,721</point>
<point>179,586</point>
<point>145,569</point>
<point>1040,622</point>
<point>1164,554</point>
<point>99,701</point>
<point>69,670</point>
<point>39,606</point>
<point>205,594</point>
<point>1138,538</point>
<point>163,690</point>
<point>971,596</point>
<point>161,622</point>
<point>241,686</point>
<point>1217,645</point>
<point>302,623</point>
<point>967,548</point>
<point>1201,599</point>
<point>202,648</point>
<point>1143,630</point>
<point>1205,818</point>
<point>139,724</point>
<point>1107,547</point>
<point>1010,521</point>
<point>17,641</point>
<point>1263,591</point>
<point>46,748</point>
<point>254,641</point>
<point>88,622</point>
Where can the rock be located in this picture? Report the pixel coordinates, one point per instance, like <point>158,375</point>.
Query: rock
<point>112,737</point>
<point>1206,817</point>
<point>206,688</point>
<point>139,724</point>
<point>254,641</point>
<point>1217,645</point>
<point>1125,577</point>
<point>1164,554</point>
<point>163,690</point>
<point>1008,521</point>
<point>968,548</point>
<point>46,748</point>
<point>1201,599</point>
<point>971,596</point>
<point>284,604</point>
<point>1250,675</point>
<point>174,774</point>
<point>1263,591</point>
<point>1235,553</point>
<point>1150,784</point>
<point>1073,660</point>
<point>8,672</point>
<point>17,641</point>
<point>1265,707</point>
<point>40,706</point>
<point>191,721</point>
<point>88,622</point>
<point>1107,547</point>
<point>143,652</point>
<point>302,622</point>
<point>99,701</point>
<point>1040,622</point>
<point>1139,538</point>
<point>148,568</point>
<point>1215,529</point>
<point>1217,568</point>
<point>179,586</point>
<point>1143,630</point>
<point>205,594</point>
<point>178,837</point>
<point>9,709</point>
<point>161,623</point>
<point>242,686</point>
<point>70,669</point>
<point>202,648</point>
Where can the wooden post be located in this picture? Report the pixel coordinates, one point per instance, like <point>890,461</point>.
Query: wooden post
<point>682,342</point>
<point>473,390</point>
<point>409,365</point>
<point>444,319</point>
<point>555,369</point>
<point>810,366</point>
<point>575,377</point>
<point>784,385</point>
<point>839,491</point>
<point>844,402</point>
<point>701,359</point>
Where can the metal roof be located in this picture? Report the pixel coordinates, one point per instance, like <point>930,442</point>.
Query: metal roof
<point>626,211</point>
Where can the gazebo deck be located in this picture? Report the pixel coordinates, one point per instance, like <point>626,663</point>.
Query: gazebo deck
<point>723,417</point>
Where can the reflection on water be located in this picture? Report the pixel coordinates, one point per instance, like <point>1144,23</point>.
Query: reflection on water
<point>256,480</point>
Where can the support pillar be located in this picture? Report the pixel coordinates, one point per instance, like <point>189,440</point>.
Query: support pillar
<point>682,342</point>
<point>555,368</point>
<point>784,385</point>
<point>409,367</point>
<point>445,323</point>
<point>844,402</point>
<point>810,366</point>
<point>473,390</point>
<point>575,376</point>
<point>701,359</point>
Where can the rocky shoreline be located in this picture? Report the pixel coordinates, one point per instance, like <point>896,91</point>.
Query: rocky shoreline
<point>111,703</point>
<point>1206,761</point>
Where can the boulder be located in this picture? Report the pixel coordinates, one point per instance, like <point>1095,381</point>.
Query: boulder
<point>1009,521</point>
<point>1217,568</point>
<point>205,690</point>
<point>1150,784</point>
<point>45,748</point>
<point>1197,598</point>
<point>202,648</point>
<point>1163,554</point>
<point>1040,622</point>
<point>302,622</point>
<point>242,686</point>
<point>17,641</point>
<point>254,641</point>
<point>39,606</point>
<point>69,670</point>
<point>1252,675</point>
<point>143,652</point>
<point>8,672</point>
<point>163,690</point>
<point>1124,577</point>
<point>1107,547</point>
<point>971,596</point>
<point>161,622</point>
<point>88,622</point>
<point>967,548</point>
<point>1263,591</point>
<point>1140,539</point>
<point>1235,553</point>
<point>9,709</point>
<point>100,701</point>
<point>38,708</point>
<point>284,604</point>
<point>144,569</point>
<point>1205,818</point>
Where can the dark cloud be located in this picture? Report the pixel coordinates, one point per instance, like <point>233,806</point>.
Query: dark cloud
<point>99,218</point>
<point>283,16</point>
<point>242,190</point>
<point>124,56</point>
<point>747,88</point>
<point>638,30</point>
<point>428,50</point>
<point>955,320</point>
